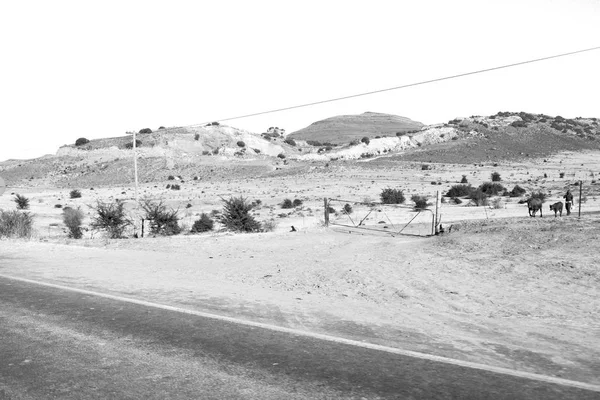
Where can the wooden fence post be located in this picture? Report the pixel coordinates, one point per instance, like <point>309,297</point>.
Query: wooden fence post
<point>580,190</point>
<point>326,211</point>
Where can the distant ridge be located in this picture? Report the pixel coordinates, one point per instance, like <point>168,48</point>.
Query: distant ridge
<point>345,128</point>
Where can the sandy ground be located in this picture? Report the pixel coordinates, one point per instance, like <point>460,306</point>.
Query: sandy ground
<point>501,289</point>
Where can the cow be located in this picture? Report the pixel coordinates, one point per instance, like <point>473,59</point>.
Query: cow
<point>534,205</point>
<point>557,208</point>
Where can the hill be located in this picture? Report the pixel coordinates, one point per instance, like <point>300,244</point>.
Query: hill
<point>345,128</point>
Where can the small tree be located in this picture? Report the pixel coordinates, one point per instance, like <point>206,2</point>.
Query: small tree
<point>21,201</point>
<point>73,218</point>
<point>204,224</point>
<point>81,141</point>
<point>236,215</point>
<point>111,218</point>
<point>162,221</point>
<point>75,194</point>
<point>392,196</point>
<point>496,177</point>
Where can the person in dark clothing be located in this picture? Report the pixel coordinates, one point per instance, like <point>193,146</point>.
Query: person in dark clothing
<point>568,201</point>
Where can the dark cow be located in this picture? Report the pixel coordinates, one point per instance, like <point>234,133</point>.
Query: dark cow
<point>534,205</point>
<point>557,208</point>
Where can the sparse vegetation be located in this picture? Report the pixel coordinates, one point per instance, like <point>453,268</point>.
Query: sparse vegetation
<point>15,224</point>
<point>269,226</point>
<point>163,221</point>
<point>75,194</point>
<point>204,224</point>
<point>21,201</point>
<point>111,218</point>
<point>81,141</point>
<point>392,196</point>
<point>73,218</point>
<point>236,215</point>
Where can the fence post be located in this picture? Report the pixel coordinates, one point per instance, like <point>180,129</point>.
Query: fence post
<point>580,190</point>
<point>438,201</point>
<point>326,211</point>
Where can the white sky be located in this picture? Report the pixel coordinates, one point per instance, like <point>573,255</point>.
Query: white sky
<point>73,69</point>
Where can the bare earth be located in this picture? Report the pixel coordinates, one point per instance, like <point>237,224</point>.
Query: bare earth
<point>501,289</point>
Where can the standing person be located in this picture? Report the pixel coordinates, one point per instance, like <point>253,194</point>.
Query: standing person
<point>568,201</point>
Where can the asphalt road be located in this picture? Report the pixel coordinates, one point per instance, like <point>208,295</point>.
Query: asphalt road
<point>57,344</point>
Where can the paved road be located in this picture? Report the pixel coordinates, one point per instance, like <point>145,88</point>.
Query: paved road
<point>57,344</point>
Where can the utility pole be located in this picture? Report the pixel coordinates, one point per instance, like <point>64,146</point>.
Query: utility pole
<point>135,172</point>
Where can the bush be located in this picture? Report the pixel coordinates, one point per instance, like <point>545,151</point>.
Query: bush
<point>73,218</point>
<point>81,141</point>
<point>459,191</point>
<point>281,155</point>
<point>241,144</point>
<point>145,130</point>
<point>170,178</point>
<point>236,215</point>
<point>365,140</point>
<point>392,196</point>
<point>196,136</point>
<point>561,174</point>
<point>492,188</point>
<point>21,201</point>
<point>539,195</point>
<point>290,141</point>
<point>111,218</point>
<point>464,179</point>
<point>425,167</point>
<point>456,200</point>
<point>15,224</point>
<point>162,221</point>
<point>479,198</point>
<point>129,145</point>
<point>420,202</point>
<point>347,208</point>
<point>204,224</point>
<point>497,203</point>
<point>297,202</point>
<point>75,194</point>
<point>287,203</point>
<point>517,191</point>
<point>175,186</point>
<point>496,177</point>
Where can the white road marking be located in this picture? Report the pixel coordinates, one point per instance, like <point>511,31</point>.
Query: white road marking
<point>408,353</point>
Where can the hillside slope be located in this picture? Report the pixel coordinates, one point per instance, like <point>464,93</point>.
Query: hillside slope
<point>345,128</point>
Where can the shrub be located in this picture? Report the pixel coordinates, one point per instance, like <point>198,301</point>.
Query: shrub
<point>347,208</point>
<point>161,127</point>
<point>81,141</point>
<point>464,179</point>
<point>287,203</point>
<point>561,174</point>
<point>269,226</point>
<point>15,224</point>
<point>354,142</point>
<point>491,188</point>
<point>257,151</point>
<point>204,224</point>
<point>162,221</point>
<point>58,206</point>
<point>21,201</point>
<point>479,198</point>
<point>196,136</point>
<point>297,202</point>
<point>518,124</point>
<point>236,215</point>
<point>459,191</point>
<point>170,177</point>
<point>420,202</point>
<point>539,195</point>
<point>517,191</point>
<point>75,194</point>
<point>129,145</point>
<point>111,218</point>
<point>497,203</point>
<point>331,210</point>
<point>290,141</point>
<point>365,140</point>
<point>175,186</point>
<point>392,196</point>
<point>281,155</point>
<point>73,218</point>
<point>456,200</point>
<point>145,130</point>
<point>496,177</point>
<point>241,144</point>
<point>425,167</point>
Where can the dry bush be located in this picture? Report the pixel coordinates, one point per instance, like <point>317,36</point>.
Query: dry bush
<point>204,224</point>
<point>497,203</point>
<point>162,221</point>
<point>75,194</point>
<point>392,196</point>
<point>73,218</point>
<point>479,198</point>
<point>269,226</point>
<point>459,191</point>
<point>15,224</point>
<point>111,218</point>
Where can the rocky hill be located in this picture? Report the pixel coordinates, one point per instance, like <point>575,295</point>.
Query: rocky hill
<point>345,128</point>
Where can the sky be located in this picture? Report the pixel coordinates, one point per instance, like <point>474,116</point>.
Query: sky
<point>73,69</point>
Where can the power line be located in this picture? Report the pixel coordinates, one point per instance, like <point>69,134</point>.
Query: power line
<point>481,71</point>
